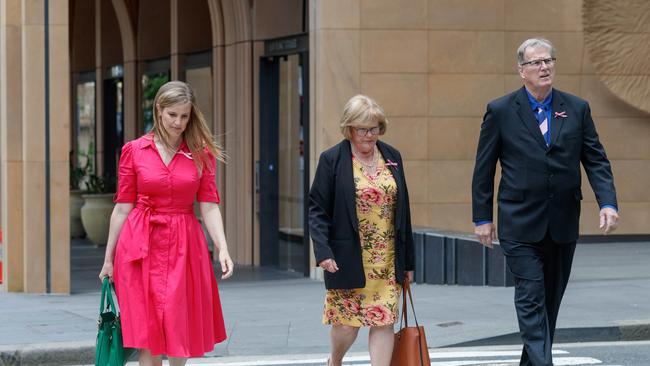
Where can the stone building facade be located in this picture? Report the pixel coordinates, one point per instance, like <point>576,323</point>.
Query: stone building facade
<point>273,76</point>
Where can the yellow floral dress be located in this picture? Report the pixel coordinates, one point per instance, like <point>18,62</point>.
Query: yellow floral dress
<point>375,304</point>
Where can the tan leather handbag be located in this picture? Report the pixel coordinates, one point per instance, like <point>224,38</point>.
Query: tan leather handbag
<point>410,342</point>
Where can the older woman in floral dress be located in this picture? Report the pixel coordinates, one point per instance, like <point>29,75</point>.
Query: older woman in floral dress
<point>360,224</point>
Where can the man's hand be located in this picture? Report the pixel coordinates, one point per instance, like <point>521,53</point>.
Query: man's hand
<point>486,234</point>
<point>409,275</point>
<point>329,265</point>
<point>608,219</point>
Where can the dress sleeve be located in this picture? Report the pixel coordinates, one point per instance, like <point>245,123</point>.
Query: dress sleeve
<point>208,186</point>
<point>126,177</point>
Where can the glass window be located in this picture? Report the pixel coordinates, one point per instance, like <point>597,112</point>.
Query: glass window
<point>150,85</point>
<point>85,113</point>
<point>200,79</point>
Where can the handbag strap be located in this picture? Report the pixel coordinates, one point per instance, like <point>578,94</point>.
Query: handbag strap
<point>105,290</point>
<point>114,303</point>
<point>404,317</point>
<point>109,298</point>
<point>407,289</point>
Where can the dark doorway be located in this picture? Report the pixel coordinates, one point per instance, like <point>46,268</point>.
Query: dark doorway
<point>283,169</point>
<point>113,129</point>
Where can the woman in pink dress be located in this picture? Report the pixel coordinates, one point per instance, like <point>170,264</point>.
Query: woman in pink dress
<point>157,254</point>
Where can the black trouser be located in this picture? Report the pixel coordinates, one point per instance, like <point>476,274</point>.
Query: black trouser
<point>541,271</point>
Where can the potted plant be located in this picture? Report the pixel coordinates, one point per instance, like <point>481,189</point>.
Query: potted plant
<point>97,208</point>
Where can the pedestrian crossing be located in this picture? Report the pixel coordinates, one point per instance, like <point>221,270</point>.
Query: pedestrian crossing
<point>445,357</point>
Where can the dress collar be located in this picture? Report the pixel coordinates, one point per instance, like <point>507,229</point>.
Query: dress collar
<point>148,142</point>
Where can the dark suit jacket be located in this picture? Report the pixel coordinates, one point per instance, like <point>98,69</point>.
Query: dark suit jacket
<point>540,186</point>
<point>333,222</point>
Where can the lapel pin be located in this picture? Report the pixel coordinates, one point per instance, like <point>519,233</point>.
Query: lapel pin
<point>187,155</point>
<point>560,114</point>
<point>391,163</point>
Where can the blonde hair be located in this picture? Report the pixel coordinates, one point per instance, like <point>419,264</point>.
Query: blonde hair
<point>197,135</point>
<point>362,111</point>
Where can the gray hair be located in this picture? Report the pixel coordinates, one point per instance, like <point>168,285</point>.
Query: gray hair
<point>533,42</point>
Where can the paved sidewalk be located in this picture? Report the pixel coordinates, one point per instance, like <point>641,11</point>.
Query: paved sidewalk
<point>608,298</point>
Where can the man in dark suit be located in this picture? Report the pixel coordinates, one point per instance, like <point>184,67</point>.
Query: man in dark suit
<point>540,135</point>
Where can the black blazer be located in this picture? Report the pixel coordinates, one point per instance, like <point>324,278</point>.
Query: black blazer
<point>333,222</point>
<point>539,189</point>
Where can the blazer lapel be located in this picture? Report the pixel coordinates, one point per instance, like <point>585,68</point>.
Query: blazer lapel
<point>528,118</point>
<point>347,177</point>
<point>557,122</point>
<point>391,163</point>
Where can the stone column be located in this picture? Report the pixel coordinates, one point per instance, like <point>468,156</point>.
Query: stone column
<point>12,140</point>
<point>33,105</point>
<point>131,76</point>
<point>238,104</point>
<point>60,122</point>
<point>23,90</point>
<point>131,100</point>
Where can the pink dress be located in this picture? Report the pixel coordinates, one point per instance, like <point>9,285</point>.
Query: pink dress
<point>163,273</point>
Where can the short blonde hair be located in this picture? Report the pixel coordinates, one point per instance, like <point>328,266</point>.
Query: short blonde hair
<point>362,111</point>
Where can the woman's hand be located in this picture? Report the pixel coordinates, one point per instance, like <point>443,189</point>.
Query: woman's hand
<point>329,265</point>
<point>118,217</point>
<point>227,267</point>
<point>107,271</point>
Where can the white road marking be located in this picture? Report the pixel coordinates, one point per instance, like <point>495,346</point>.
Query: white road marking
<point>432,354</point>
<point>445,358</point>
<point>468,356</point>
<point>457,354</point>
<point>559,361</point>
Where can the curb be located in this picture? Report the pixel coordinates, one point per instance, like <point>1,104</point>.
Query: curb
<point>58,353</point>
<point>633,332</point>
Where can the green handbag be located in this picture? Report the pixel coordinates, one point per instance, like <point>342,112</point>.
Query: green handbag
<point>109,350</point>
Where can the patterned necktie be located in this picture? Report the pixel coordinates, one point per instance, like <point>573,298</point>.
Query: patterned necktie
<point>542,119</point>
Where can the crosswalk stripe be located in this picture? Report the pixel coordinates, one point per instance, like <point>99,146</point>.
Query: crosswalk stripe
<point>567,361</point>
<point>559,361</point>
<point>433,355</point>
<point>475,358</point>
<point>455,354</point>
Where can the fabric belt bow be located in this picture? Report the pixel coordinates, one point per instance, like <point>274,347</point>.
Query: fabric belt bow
<point>143,223</point>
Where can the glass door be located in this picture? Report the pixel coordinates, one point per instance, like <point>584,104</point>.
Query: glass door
<point>283,177</point>
<point>291,165</point>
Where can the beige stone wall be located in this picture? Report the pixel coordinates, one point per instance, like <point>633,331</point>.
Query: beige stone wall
<point>276,18</point>
<point>434,64</point>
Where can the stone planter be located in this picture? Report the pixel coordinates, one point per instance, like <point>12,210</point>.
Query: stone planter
<point>96,216</point>
<point>76,227</point>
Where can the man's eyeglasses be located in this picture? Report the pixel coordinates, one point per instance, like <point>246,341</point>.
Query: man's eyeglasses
<point>362,131</point>
<point>538,63</point>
